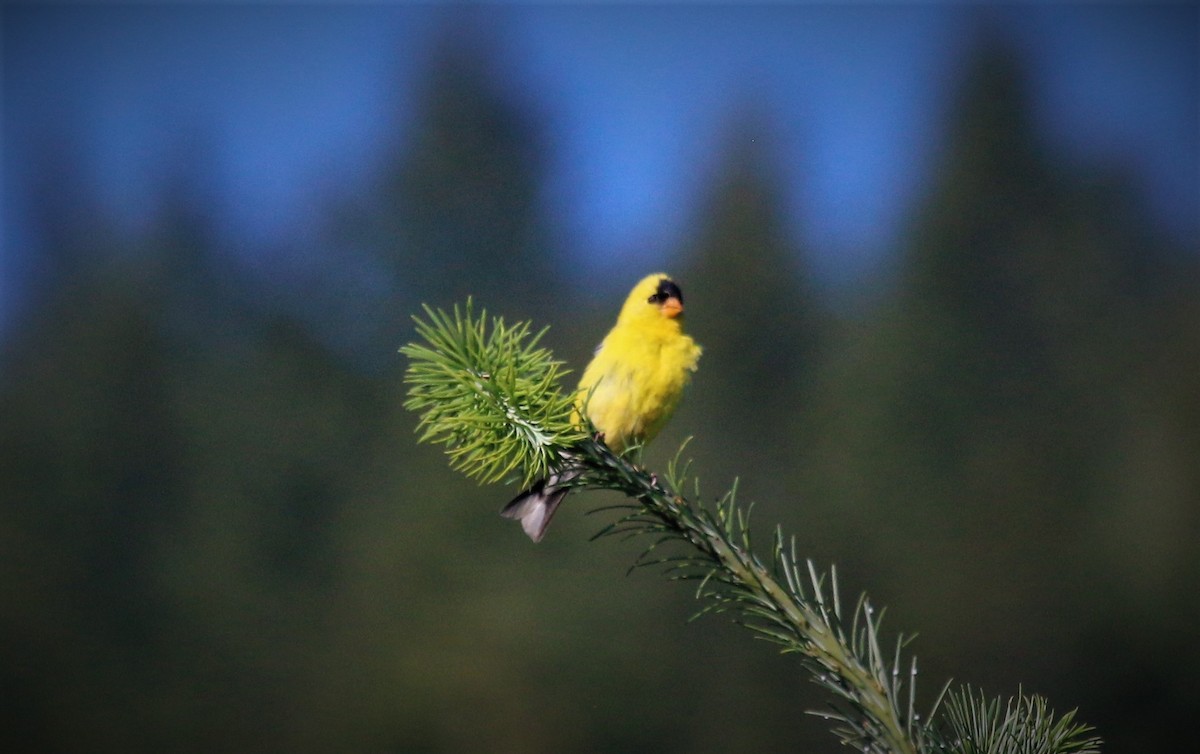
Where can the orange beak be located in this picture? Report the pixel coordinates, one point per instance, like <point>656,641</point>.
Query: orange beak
<point>672,308</point>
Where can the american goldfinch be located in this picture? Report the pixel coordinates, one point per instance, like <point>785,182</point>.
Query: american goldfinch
<point>628,391</point>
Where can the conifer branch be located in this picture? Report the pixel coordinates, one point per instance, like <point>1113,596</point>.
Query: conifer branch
<point>489,394</point>
<point>493,398</point>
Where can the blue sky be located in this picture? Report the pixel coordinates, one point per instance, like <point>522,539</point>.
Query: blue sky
<point>291,102</point>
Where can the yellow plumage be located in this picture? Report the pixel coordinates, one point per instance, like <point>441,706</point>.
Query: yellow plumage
<point>637,376</point>
<point>631,387</point>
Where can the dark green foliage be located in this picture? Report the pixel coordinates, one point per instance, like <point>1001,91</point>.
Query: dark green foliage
<point>975,725</point>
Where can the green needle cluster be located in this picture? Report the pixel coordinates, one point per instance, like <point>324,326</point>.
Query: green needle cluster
<point>491,395</point>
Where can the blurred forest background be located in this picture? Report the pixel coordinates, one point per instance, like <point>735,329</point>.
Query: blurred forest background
<point>219,533</point>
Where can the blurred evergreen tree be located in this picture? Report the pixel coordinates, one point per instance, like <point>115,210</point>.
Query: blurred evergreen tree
<point>753,306</point>
<point>468,189</point>
<point>91,452</point>
<point>456,209</point>
<point>981,412</point>
<point>176,457</point>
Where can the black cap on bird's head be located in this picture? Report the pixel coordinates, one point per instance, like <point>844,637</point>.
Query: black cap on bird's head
<point>668,297</point>
<point>655,295</point>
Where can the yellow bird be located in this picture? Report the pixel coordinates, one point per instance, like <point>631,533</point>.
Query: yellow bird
<point>629,390</point>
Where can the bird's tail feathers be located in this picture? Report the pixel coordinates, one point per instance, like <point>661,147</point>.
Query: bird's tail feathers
<point>536,506</point>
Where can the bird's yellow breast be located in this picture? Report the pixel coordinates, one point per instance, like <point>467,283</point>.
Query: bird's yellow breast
<point>636,379</point>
